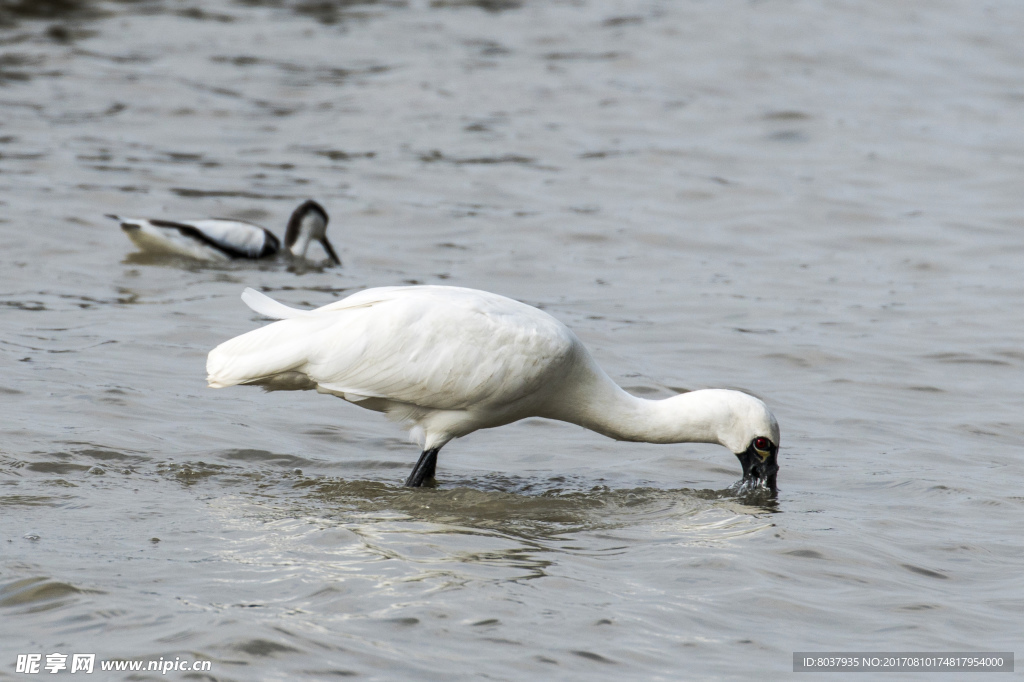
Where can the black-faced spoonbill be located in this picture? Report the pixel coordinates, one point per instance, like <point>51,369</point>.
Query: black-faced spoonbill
<point>218,239</point>
<point>446,361</point>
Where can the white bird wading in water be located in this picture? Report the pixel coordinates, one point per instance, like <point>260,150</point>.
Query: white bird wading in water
<point>446,361</point>
<point>219,239</point>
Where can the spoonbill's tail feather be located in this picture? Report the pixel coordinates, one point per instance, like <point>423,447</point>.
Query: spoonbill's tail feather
<point>256,356</point>
<point>281,348</point>
<point>264,305</point>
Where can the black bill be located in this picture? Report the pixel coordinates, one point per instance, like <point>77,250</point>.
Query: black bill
<point>330,251</point>
<point>759,472</point>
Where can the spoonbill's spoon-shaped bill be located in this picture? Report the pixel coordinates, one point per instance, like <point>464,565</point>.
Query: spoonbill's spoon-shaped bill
<point>220,239</point>
<point>446,361</point>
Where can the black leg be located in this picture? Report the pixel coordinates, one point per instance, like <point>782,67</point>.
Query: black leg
<point>424,469</point>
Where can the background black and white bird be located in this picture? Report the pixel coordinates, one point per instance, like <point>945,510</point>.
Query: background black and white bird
<point>219,239</point>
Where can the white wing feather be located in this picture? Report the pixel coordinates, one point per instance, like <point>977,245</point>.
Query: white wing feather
<point>268,307</point>
<point>441,348</point>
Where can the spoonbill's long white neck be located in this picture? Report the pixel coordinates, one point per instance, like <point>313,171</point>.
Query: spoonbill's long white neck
<point>593,401</point>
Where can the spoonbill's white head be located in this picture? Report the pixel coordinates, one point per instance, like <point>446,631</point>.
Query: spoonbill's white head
<point>308,224</point>
<point>753,435</point>
<point>737,420</point>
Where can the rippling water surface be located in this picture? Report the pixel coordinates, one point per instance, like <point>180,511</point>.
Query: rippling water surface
<point>820,204</point>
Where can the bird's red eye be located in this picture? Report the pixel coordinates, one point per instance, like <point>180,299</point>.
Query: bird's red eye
<point>762,444</point>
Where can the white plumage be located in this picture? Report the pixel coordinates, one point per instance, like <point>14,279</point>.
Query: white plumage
<point>220,239</point>
<point>447,361</point>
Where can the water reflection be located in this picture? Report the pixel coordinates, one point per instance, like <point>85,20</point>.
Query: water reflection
<point>474,532</point>
<point>282,262</point>
<point>515,525</point>
<point>531,509</point>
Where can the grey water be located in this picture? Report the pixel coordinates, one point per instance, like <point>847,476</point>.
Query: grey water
<point>818,203</point>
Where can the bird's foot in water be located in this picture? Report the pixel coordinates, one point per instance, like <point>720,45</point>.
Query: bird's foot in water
<point>424,470</point>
